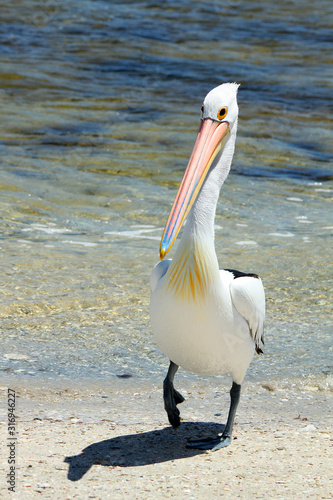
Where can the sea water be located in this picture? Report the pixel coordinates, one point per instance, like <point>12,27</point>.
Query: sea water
<point>100,105</point>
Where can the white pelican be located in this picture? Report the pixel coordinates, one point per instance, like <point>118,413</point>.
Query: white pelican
<point>205,320</point>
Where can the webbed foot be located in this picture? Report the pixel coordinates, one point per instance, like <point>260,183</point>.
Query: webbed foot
<point>172,397</point>
<point>210,443</point>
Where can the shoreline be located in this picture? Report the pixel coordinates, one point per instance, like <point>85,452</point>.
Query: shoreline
<point>113,441</point>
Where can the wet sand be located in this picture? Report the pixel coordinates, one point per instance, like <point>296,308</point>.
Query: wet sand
<point>112,440</point>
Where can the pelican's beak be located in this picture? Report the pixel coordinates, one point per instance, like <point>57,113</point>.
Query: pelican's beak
<point>211,138</point>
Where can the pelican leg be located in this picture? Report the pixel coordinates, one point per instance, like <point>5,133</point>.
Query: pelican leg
<point>171,396</point>
<point>224,440</point>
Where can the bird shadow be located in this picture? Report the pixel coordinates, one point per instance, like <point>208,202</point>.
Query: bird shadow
<point>142,448</point>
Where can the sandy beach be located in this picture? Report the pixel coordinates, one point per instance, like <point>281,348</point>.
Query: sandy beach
<point>113,441</point>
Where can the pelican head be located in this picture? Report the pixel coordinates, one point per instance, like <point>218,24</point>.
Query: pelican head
<point>218,128</point>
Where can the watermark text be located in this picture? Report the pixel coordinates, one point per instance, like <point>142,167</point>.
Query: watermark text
<point>11,440</point>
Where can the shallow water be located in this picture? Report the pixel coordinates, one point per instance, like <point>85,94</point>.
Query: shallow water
<point>100,104</point>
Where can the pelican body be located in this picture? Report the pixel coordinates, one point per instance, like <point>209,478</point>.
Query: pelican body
<point>206,320</point>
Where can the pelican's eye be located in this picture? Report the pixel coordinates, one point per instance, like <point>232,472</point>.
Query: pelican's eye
<point>202,110</point>
<point>222,113</point>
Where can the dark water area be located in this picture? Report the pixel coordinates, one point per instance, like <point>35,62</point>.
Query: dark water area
<point>100,105</point>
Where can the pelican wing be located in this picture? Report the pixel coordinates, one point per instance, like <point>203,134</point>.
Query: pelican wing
<point>158,272</point>
<point>248,297</point>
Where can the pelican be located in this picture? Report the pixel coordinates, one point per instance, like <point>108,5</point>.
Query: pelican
<point>206,320</point>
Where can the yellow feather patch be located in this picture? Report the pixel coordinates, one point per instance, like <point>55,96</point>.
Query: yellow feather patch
<point>189,273</point>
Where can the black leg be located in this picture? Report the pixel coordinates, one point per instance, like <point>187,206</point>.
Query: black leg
<point>171,396</point>
<point>224,440</point>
